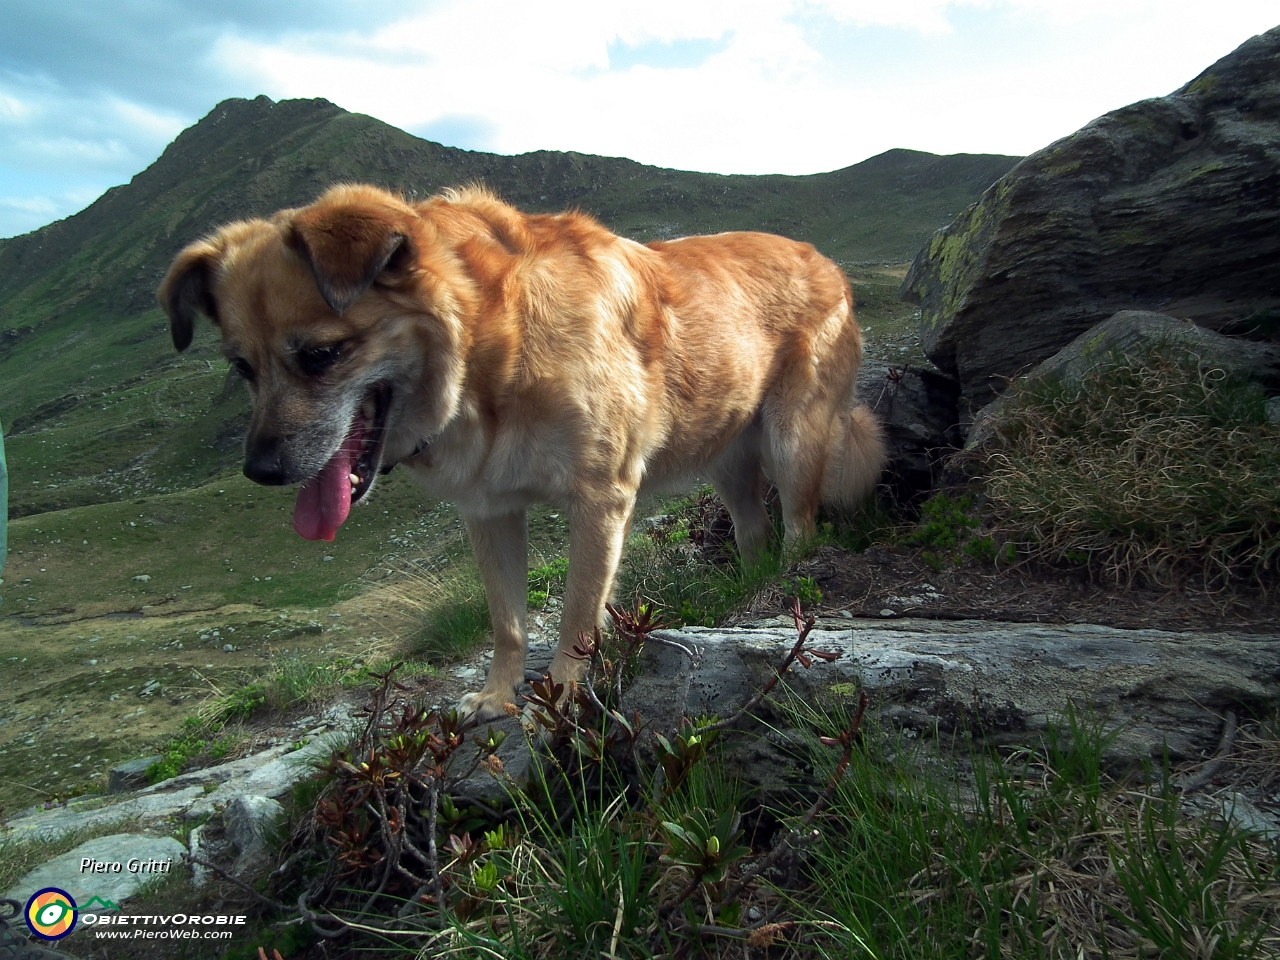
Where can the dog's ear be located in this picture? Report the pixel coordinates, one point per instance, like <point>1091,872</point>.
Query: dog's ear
<point>348,247</point>
<point>187,289</point>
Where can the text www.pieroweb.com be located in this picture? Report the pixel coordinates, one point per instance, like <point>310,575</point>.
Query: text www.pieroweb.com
<point>179,926</point>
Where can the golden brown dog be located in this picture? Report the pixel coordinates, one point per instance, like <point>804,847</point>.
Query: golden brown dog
<point>508,359</point>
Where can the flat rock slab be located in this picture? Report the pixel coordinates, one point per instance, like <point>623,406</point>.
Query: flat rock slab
<point>189,796</point>
<point>126,862</point>
<point>1004,681</point>
<point>156,808</point>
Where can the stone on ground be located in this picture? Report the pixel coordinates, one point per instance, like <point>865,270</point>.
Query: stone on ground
<point>138,855</point>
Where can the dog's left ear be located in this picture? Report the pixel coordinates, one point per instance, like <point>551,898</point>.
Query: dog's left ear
<point>348,247</point>
<point>187,289</point>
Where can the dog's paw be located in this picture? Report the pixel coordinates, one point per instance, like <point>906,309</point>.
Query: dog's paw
<point>485,706</point>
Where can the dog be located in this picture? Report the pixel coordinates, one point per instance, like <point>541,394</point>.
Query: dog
<point>510,359</point>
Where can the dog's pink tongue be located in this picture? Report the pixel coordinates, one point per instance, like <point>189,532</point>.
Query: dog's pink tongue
<point>325,501</point>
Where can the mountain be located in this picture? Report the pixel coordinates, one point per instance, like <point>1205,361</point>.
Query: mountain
<point>95,403</point>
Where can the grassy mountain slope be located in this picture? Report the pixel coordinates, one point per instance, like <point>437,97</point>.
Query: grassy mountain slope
<point>97,407</point>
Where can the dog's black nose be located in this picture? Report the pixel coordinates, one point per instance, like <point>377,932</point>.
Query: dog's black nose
<point>262,464</point>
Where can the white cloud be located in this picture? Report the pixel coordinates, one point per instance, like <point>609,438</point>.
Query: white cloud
<point>11,108</point>
<point>152,123</point>
<point>925,16</point>
<point>42,207</point>
<point>792,86</point>
<point>536,76</point>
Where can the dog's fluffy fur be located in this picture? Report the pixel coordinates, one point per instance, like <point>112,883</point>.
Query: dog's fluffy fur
<point>509,359</point>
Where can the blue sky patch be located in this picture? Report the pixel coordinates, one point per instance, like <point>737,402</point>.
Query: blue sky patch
<point>677,55</point>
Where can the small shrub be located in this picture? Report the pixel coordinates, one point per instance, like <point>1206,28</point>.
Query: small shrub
<point>948,533</point>
<point>806,590</point>
<point>197,737</point>
<point>547,580</point>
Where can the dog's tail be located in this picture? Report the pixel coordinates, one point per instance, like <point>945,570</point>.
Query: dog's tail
<point>857,458</point>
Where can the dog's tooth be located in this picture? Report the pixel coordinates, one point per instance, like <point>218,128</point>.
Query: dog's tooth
<point>355,480</point>
<point>369,408</point>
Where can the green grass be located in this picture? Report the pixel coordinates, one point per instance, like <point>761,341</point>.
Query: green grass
<point>926,850</point>
<point>948,531</point>
<point>1046,857</point>
<point>1149,468</point>
<point>197,738</point>
<point>685,588</point>
<point>689,584</point>
<point>226,542</point>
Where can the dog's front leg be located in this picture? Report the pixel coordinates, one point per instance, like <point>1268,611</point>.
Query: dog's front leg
<point>597,530</point>
<point>501,546</point>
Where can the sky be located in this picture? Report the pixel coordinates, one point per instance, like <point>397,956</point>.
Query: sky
<point>91,91</point>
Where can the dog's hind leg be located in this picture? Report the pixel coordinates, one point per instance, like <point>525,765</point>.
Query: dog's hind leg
<point>597,529</point>
<point>501,546</point>
<point>796,454</point>
<point>739,479</point>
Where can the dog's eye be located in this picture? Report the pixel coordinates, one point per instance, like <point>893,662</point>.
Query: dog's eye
<point>243,368</point>
<point>316,360</point>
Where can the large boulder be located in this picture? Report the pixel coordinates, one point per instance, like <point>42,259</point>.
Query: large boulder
<point>1171,204</point>
<point>916,405</point>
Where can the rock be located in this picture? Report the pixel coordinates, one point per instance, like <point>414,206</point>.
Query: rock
<point>271,773</point>
<point>154,808</point>
<point>189,796</point>
<point>249,823</point>
<point>1003,681</point>
<point>1131,332</point>
<point>131,775</point>
<point>1236,808</point>
<point>198,846</point>
<point>142,860</point>
<point>483,782</point>
<point>917,407</point>
<point>1171,204</point>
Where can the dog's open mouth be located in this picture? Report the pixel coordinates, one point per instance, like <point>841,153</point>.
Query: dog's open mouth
<point>325,500</point>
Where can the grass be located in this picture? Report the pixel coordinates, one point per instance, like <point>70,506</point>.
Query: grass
<point>687,570</point>
<point>439,616</point>
<point>1044,857</point>
<point>1148,468</point>
<point>685,588</point>
<point>948,532</point>
<point>926,849</point>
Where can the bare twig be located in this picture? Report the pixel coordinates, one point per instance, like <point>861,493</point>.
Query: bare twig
<point>804,627</point>
<point>848,739</point>
<point>1207,771</point>
<point>232,878</point>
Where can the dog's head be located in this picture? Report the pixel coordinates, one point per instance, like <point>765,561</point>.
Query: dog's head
<point>344,319</point>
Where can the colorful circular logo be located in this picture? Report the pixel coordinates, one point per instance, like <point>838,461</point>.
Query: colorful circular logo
<point>51,913</point>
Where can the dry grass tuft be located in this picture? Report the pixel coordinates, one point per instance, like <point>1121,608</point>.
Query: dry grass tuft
<point>1148,468</point>
<point>438,618</point>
